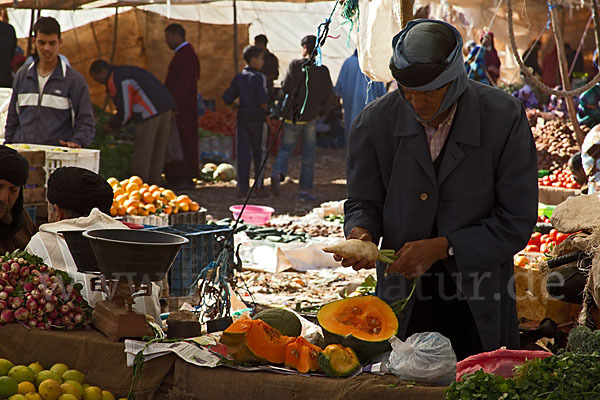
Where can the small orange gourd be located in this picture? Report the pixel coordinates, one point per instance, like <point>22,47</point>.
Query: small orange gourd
<point>302,355</point>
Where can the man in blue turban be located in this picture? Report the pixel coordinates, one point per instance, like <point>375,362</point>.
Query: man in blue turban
<point>444,171</point>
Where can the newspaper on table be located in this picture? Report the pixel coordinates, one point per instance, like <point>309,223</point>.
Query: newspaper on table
<point>200,356</point>
<point>188,352</point>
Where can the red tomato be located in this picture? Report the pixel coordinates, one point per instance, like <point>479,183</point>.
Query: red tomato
<point>532,248</point>
<point>560,237</point>
<point>544,238</point>
<point>553,233</point>
<point>544,248</point>
<point>535,239</point>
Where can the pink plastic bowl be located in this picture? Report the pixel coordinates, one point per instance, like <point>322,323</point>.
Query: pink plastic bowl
<point>256,215</point>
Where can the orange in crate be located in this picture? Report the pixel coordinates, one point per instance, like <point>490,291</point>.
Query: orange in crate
<point>148,198</point>
<point>184,198</point>
<point>131,210</point>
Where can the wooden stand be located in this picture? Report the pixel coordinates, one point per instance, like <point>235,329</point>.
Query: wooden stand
<point>117,322</point>
<point>115,318</point>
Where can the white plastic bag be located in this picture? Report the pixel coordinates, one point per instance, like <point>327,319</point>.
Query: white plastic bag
<point>425,357</point>
<point>378,22</point>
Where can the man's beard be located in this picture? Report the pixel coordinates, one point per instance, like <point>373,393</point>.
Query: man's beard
<point>8,217</point>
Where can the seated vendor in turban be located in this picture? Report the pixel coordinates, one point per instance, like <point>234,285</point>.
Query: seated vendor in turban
<point>79,199</point>
<point>16,228</point>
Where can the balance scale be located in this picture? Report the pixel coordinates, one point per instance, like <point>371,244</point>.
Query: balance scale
<point>125,263</point>
<point>116,318</point>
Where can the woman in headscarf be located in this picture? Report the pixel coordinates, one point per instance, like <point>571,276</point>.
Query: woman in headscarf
<point>492,61</point>
<point>444,171</point>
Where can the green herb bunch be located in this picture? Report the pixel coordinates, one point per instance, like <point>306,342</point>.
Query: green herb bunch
<point>567,376</point>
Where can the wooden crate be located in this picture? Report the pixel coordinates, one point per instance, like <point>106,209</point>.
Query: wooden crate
<point>34,193</point>
<point>534,302</point>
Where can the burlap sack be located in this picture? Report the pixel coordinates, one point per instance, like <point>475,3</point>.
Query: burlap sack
<point>577,213</point>
<point>583,213</point>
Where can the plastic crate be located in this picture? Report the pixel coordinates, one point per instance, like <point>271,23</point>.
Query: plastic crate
<point>193,256</point>
<point>31,211</point>
<point>191,217</point>
<point>57,157</point>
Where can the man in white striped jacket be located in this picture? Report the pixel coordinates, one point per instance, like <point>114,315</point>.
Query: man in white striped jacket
<point>51,101</point>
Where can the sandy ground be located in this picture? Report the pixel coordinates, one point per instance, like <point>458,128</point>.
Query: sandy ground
<point>330,184</point>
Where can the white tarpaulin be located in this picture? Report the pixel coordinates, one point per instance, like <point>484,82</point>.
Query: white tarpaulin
<point>377,19</point>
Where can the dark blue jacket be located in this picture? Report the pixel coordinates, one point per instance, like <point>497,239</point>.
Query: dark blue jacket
<point>483,198</point>
<point>250,86</point>
<point>62,112</point>
<point>137,94</point>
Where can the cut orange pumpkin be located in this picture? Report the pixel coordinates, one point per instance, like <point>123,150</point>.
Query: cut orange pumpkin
<point>362,323</point>
<point>255,342</point>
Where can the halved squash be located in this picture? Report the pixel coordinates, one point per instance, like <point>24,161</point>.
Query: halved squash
<point>235,334</point>
<point>266,342</point>
<point>339,361</point>
<point>255,342</point>
<point>362,323</point>
<point>302,355</point>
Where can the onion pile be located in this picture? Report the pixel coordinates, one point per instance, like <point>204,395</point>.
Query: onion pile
<point>39,296</point>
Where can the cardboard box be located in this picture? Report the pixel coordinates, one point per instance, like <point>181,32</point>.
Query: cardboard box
<point>534,302</point>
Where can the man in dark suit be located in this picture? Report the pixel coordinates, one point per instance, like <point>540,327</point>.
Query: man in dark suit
<point>444,171</point>
<point>8,44</point>
<point>182,82</point>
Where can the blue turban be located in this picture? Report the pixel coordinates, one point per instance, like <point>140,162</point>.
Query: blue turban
<point>427,56</point>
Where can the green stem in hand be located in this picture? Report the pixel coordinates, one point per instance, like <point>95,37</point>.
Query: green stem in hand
<point>398,306</point>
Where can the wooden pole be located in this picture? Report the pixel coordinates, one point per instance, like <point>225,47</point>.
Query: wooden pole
<point>115,33</point>
<point>406,12</point>
<point>235,38</point>
<point>564,73</point>
<point>29,52</point>
<point>596,22</point>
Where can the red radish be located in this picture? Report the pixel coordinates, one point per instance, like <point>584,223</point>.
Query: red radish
<point>49,308</point>
<point>78,318</point>
<point>6,316</point>
<point>21,314</point>
<point>31,305</point>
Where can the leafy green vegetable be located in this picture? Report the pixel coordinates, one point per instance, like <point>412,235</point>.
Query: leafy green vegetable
<point>115,147</point>
<point>335,218</point>
<point>568,376</point>
<point>583,340</point>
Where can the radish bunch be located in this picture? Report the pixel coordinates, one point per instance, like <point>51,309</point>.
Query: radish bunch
<point>39,296</point>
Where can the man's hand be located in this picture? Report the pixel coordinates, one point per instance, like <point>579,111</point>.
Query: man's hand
<point>415,258</point>
<point>360,234</point>
<point>72,145</point>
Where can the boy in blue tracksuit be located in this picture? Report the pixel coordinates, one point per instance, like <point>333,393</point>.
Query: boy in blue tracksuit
<point>250,86</point>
